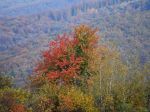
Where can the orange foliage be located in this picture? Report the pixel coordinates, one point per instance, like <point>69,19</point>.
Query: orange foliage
<point>71,56</point>
<point>18,108</point>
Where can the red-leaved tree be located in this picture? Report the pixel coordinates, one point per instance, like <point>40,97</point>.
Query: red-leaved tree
<point>60,62</point>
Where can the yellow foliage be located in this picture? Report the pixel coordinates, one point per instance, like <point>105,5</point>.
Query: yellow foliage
<point>74,99</point>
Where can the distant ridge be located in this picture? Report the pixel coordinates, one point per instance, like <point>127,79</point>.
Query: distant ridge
<point>13,8</point>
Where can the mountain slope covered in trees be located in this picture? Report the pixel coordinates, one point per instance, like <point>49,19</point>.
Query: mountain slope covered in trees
<point>25,34</point>
<point>77,73</point>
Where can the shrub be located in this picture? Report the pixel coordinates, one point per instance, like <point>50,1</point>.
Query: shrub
<point>74,100</point>
<point>11,98</point>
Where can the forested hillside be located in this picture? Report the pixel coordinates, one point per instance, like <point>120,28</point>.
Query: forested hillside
<point>77,73</point>
<point>26,28</point>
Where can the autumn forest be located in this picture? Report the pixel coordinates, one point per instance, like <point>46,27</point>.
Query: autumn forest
<point>74,56</point>
<point>77,73</point>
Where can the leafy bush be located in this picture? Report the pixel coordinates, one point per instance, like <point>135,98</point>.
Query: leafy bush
<point>5,81</point>
<point>13,100</point>
<point>74,100</point>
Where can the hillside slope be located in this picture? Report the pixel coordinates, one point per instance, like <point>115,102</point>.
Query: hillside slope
<point>25,34</point>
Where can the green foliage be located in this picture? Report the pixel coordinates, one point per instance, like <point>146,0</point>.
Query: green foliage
<point>120,88</point>
<point>74,100</point>
<point>5,81</point>
<point>61,99</point>
<point>45,99</point>
<point>10,97</point>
